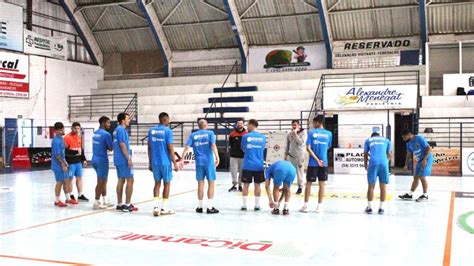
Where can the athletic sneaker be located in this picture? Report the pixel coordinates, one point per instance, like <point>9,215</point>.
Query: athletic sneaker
<point>98,207</point>
<point>422,198</point>
<point>212,211</point>
<point>240,188</point>
<point>275,211</point>
<point>72,202</point>
<point>299,191</point>
<point>257,208</point>
<point>368,210</point>
<point>243,208</point>
<point>319,209</point>
<point>60,204</point>
<point>286,211</point>
<point>83,198</point>
<point>233,189</point>
<point>199,210</point>
<point>123,208</point>
<point>167,212</point>
<point>381,211</point>
<point>406,196</point>
<point>156,211</point>
<point>73,198</point>
<point>132,208</point>
<point>304,209</point>
<point>108,204</point>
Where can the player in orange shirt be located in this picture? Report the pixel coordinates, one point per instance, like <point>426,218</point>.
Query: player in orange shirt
<point>75,158</point>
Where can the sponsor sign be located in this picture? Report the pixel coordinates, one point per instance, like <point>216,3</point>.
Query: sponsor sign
<point>468,161</point>
<point>11,27</point>
<point>21,158</point>
<point>14,75</point>
<point>466,222</point>
<point>40,157</point>
<point>464,195</point>
<point>55,47</point>
<point>447,162</point>
<point>276,143</point>
<point>371,97</point>
<point>349,161</point>
<point>373,48</point>
<point>287,58</point>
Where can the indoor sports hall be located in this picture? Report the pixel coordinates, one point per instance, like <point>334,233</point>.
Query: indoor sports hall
<point>237,132</point>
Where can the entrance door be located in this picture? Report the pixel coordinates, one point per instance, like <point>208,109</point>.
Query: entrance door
<point>402,122</point>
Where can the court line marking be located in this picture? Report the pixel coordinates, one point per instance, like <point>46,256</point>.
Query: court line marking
<point>449,233</point>
<point>44,260</point>
<point>83,215</point>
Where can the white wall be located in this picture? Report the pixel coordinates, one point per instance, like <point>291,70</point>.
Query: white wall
<point>63,78</point>
<point>215,57</point>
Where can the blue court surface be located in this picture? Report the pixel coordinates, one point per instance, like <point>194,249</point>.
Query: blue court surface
<point>437,232</point>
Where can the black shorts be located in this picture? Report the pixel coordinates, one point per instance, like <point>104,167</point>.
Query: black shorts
<point>255,176</point>
<point>316,173</point>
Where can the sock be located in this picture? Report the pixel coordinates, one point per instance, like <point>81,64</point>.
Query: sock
<point>285,206</point>
<point>244,200</point>
<point>156,201</point>
<point>369,204</point>
<point>305,204</point>
<point>105,199</point>
<point>164,205</point>
<point>200,203</point>
<point>425,194</point>
<point>57,199</point>
<point>381,204</point>
<point>79,194</point>
<point>96,202</point>
<point>68,196</point>
<point>410,193</point>
<point>257,201</point>
<point>320,205</point>
<point>210,204</point>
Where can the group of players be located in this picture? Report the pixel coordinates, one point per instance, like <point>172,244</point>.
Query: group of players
<point>248,162</point>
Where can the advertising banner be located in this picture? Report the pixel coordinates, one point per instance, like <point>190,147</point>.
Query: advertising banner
<point>140,157</point>
<point>374,48</point>
<point>287,58</point>
<point>371,97</point>
<point>21,158</point>
<point>14,75</point>
<point>447,162</point>
<point>40,157</point>
<point>55,47</point>
<point>349,161</point>
<point>468,161</point>
<point>11,27</point>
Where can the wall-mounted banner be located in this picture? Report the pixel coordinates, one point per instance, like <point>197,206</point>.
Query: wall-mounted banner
<point>11,27</point>
<point>287,58</point>
<point>55,47</point>
<point>370,97</point>
<point>276,144</point>
<point>468,161</point>
<point>447,162</point>
<point>374,48</point>
<point>14,75</point>
<point>349,161</point>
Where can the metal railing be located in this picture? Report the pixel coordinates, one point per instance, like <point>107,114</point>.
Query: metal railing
<point>214,102</point>
<point>447,132</point>
<point>103,104</point>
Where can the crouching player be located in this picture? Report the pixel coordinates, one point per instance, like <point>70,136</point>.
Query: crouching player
<point>283,173</point>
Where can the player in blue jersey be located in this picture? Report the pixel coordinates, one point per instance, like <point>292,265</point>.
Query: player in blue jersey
<point>379,150</point>
<point>203,143</point>
<point>101,144</point>
<point>123,163</point>
<point>253,144</point>
<point>283,173</point>
<point>161,158</point>
<point>59,165</point>
<point>418,147</point>
<point>318,143</point>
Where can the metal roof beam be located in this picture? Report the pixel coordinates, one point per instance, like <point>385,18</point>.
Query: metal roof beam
<point>171,12</point>
<point>248,8</point>
<point>281,16</point>
<point>195,23</point>
<point>237,28</point>
<point>157,30</point>
<point>100,18</point>
<point>324,18</point>
<point>213,7</point>
<point>367,9</point>
<point>122,29</point>
<point>131,12</point>
<point>96,5</point>
<point>82,28</point>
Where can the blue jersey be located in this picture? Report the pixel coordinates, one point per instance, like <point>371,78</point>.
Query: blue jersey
<point>253,145</point>
<point>159,137</point>
<point>320,141</point>
<point>417,146</point>
<point>280,169</point>
<point>57,148</point>
<point>101,143</point>
<point>201,141</point>
<point>120,136</point>
<point>377,148</point>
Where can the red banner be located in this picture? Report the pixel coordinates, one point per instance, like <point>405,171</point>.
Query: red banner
<point>21,158</point>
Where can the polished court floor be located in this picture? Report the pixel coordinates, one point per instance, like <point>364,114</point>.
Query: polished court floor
<point>34,232</point>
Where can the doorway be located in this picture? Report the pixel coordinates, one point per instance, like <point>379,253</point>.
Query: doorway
<point>402,122</point>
